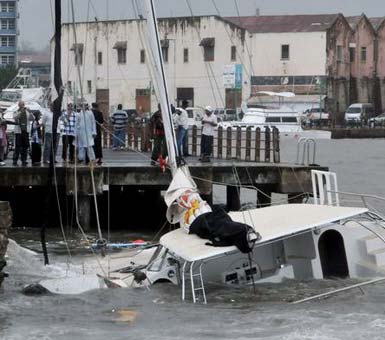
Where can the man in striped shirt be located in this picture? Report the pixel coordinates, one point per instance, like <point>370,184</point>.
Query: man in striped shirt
<point>68,132</point>
<point>119,121</point>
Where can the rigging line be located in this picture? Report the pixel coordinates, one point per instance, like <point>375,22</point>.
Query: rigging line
<point>239,193</point>
<point>108,219</point>
<point>208,65</point>
<point>232,40</point>
<point>246,44</point>
<point>108,49</point>
<point>86,38</point>
<point>85,122</point>
<point>58,201</point>
<point>52,14</point>
<point>142,41</point>
<point>78,222</point>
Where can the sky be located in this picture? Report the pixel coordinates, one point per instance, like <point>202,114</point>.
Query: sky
<point>36,22</point>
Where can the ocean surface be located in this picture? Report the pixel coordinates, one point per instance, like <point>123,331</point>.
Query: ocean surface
<point>231,313</point>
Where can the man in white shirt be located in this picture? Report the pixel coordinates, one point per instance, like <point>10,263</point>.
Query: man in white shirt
<point>181,123</point>
<point>209,122</point>
<point>47,122</point>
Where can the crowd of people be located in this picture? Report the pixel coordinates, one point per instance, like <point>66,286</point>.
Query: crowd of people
<point>80,131</point>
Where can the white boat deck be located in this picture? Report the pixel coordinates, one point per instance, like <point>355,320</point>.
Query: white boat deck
<point>271,222</point>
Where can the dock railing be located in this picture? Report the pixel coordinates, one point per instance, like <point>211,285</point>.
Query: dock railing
<point>250,144</point>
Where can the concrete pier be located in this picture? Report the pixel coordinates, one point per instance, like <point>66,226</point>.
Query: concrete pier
<point>131,187</point>
<point>5,223</point>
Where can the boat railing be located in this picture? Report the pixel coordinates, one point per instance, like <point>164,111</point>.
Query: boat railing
<point>250,144</point>
<point>325,188</point>
<point>306,147</point>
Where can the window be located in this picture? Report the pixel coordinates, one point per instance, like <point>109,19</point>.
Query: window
<point>11,24</point>
<point>165,54</point>
<point>121,48</point>
<point>78,53</point>
<point>11,41</point>
<point>339,53</point>
<point>7,59</point>
<point>185,55</point>
<point>233,53</point>
<point>142,92</point>
<point>165,43</point>
<point>208,45</point>
<point>89,86</point>
<point>209,53</point>
<point>122,55</point>
<point>78,57</point>
<point>4,24</point>
<point>363,55</point>
<point>142,56</point>
<point>285,52</point>
<point>273,119</point>
<point>352,54</point>
<point>69,87</point>
<point>11,7</point>
<point>7,41</point>
<point>100,58</point>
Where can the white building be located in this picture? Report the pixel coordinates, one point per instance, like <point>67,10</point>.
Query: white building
<point>274,53</point>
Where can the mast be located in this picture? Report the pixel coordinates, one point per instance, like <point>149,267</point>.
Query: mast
<point>161,84</point>
<point>51,199</point>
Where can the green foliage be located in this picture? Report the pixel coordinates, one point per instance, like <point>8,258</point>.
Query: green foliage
<point>7,73</point>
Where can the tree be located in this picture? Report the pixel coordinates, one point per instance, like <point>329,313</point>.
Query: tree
<point>7,73</point>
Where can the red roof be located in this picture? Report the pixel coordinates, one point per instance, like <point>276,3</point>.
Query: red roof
<point>284,23</point>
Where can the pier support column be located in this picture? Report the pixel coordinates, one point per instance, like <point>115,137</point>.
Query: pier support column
<point>5,223</point>
<point>84,206</point>
<point>233,201</point>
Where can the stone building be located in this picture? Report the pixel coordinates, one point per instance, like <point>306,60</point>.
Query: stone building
<point>315,56</point>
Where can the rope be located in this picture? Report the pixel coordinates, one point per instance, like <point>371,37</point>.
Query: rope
<point>208,65</point>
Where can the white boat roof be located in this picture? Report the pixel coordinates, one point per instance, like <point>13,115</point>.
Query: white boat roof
<point>271,222</point>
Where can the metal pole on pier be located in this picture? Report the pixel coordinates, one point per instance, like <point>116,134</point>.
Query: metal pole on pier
<point>51,199</point>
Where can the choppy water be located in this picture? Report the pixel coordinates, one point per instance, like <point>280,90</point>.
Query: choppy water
<point>231,313</point>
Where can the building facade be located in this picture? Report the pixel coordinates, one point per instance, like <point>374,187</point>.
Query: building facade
<point>8,32</point>
<point>221,62</point>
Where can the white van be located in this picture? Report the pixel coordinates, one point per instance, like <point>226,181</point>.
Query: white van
<point>358,112</point>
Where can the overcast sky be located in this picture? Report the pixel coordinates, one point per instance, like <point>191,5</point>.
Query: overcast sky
<point>36,23</point>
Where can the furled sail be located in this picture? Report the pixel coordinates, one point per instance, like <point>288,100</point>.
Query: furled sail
<point>182,198</point>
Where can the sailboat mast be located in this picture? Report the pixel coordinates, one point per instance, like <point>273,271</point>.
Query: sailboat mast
<point>161,84</point>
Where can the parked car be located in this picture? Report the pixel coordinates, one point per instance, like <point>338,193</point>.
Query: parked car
<point>315,116</point>
<point>359,113</point>
<point>195,115</point>
<point>377,121</point>
<point>226,114</point>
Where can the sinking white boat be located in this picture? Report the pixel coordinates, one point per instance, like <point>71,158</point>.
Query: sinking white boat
<point>298,241</point>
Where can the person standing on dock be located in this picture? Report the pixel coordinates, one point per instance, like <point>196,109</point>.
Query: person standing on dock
<point>209,122</point>
<point>36,139</point>
<point>181,123</point>
<point>159,148</point>
<point>85,134</point>
<point>119,121</point>
<point>22,117</point>
<point>47,122</point>
<point>99,120</point>
<point>69,123</point>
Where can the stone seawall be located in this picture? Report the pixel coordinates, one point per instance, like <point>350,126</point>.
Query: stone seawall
<point>5,223</point>
<point>358,133</point>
